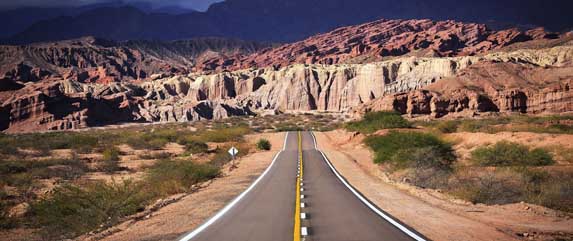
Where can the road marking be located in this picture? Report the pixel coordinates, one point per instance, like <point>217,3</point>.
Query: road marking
<point>364,200</point>
<point>235,201</point>
<point>298,204</point>
<point>304,231</point>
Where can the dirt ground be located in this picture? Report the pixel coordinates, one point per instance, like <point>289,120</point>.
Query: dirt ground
<point>434,214</point>
<point>178,218</point>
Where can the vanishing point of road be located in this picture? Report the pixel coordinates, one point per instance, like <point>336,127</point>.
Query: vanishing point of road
<point>301,197</point>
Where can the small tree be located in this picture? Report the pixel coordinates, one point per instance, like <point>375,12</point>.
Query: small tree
<point>264,145</point>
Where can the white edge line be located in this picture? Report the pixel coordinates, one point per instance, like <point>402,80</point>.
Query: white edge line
<point>364,200</point>
<point>235,201</point>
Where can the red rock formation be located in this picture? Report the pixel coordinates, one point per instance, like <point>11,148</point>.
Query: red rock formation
<point>487,87</point>
<point>380,39</point>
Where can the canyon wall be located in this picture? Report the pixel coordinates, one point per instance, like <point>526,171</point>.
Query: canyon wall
<point>528,81</point>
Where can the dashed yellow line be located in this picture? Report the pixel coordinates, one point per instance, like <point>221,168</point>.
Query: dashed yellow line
<point>297,227</point>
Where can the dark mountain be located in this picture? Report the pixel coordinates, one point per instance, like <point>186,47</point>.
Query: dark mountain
<point>14,21</point>
<point>288,20</point>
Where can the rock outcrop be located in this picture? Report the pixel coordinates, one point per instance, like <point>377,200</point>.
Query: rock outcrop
<point>526,81</point>
<point>92,60</point>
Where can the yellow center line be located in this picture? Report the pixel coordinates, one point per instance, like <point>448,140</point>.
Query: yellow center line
<point>297,228</point>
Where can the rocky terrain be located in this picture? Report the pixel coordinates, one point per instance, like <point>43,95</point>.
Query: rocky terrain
<point>416,67</point>
<point>90,60</point>
<point>383,39</point>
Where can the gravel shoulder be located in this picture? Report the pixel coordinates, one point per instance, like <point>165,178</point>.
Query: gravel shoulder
<point>430,212</point>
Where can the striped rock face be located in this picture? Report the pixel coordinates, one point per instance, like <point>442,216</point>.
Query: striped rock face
<point>527,72</point>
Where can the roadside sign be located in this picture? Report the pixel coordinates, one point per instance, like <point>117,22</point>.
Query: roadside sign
<point>233,151</point>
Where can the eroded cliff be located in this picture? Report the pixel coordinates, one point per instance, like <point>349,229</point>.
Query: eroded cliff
<point>531,81</point>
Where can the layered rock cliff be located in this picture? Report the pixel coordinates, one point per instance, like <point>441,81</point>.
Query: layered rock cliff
<point>95,60</point>
<point>530,81</point>
<point>416,67</point>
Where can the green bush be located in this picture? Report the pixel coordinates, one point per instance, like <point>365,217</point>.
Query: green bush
<point>411,149</point>
<point>264,145</point>
<point>506,153</point>
<point>71,210</point>
<point>374,121</point>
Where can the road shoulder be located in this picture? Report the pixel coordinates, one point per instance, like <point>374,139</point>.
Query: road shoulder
<point>178,218</point>
<point>432,221</point>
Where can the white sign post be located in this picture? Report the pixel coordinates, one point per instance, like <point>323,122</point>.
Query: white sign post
<point>233,151</point>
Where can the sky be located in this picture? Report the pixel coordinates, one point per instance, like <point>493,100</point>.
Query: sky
<point>200,5</point>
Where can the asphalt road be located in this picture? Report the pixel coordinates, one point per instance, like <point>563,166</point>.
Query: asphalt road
<point>266,212</point>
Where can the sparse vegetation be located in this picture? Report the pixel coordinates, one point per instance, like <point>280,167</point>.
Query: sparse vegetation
<point>176,176</point>
<point>514,123</point>
<point>264,144</point>
<point>156,155</point>
<point>511,185</point>
<point>72,210</point>
<point>110,160</point>
<point>511,154</point>
<point>77,206</point>
<point>195,147</point>
<point>374,121</point>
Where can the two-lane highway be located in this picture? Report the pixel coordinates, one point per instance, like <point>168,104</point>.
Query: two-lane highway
<point>266,210</point>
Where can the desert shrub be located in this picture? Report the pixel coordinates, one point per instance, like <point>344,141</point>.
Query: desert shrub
<point>288,127</point>
<point>5,221</point>
<point>502,186</point>
<point>73,210</point>
<point>496,187</point>
<point>110,160</point>
<point>506,153</point>
<point>514,123</point>
<point>226,134</point>
<point>53,141</point>
<point>195,147</point>
<point>158,155</point>
<point>374,121</point>
<point>411,149</point>
<point>18,172</point>
<point>435,178</point>
<point>176,176</point>
<point>447,126</point>
<point>221,158</point>
<point>7,149</point>
<point>263,144</point>
<point>554,191</point>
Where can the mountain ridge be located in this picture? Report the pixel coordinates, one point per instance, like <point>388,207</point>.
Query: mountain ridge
<point>288,20</point>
